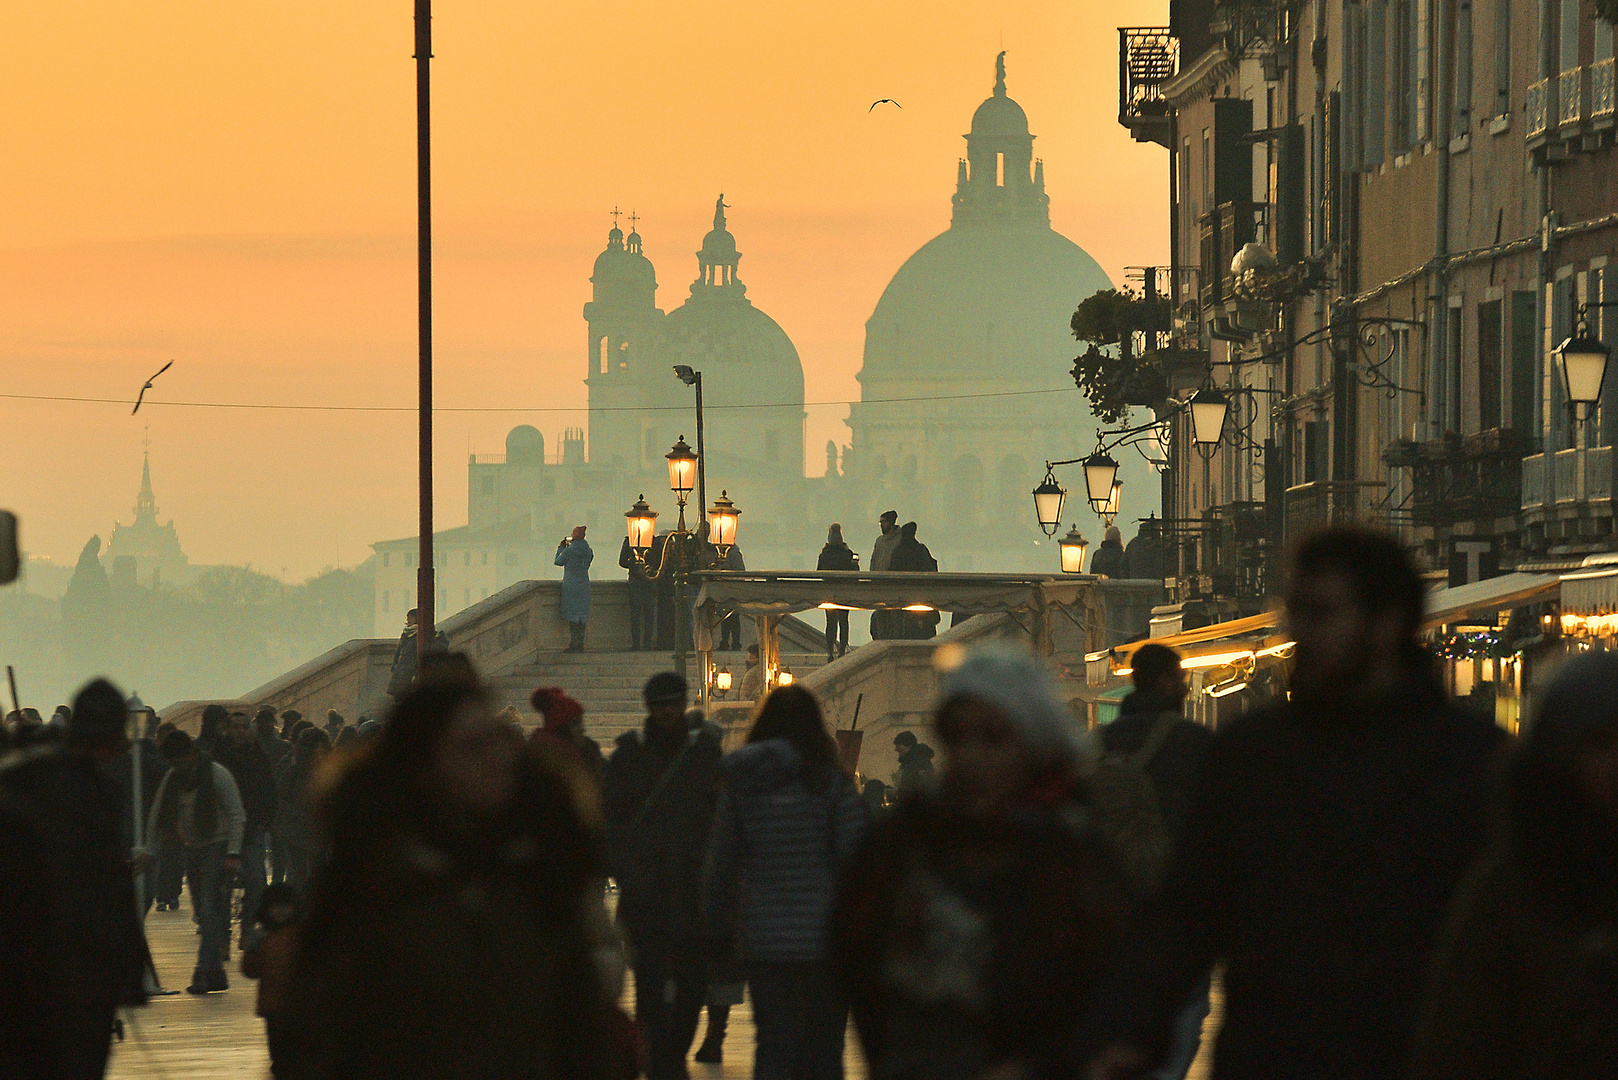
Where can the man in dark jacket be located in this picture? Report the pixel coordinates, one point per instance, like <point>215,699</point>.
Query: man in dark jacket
<point>915,764</point>
<point>250,767</point>
<point>642,600</point>
<point>1155,713</point>
<point>912,555</point>
<point>1323,847</point>
<point>1145,554</point>
<point>1159,699</point>
<point>99,945</point>
<point>659,795</point>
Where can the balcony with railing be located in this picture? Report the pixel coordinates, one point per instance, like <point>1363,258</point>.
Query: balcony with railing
<point>1148,57</point>
<point>1567,485</point>
<point>1602,97</point>
<point>1539,106</point>
<point>1224,230</point>
<point>1570,97</point>
<point>1476,478</point>
<point>1320,503</point>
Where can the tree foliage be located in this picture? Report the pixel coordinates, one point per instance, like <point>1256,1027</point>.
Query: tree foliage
<point>1107,321</point>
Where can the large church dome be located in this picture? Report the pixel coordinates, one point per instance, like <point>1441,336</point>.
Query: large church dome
<point>985,304</point>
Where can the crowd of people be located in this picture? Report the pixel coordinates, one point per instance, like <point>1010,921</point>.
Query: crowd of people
<point>1384,886</point>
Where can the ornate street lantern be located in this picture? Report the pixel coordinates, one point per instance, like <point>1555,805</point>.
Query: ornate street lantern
<point>641,521</point>
<point>1113,503</point>
<point>682,469</point>
<point>722,520</point>
<point>1048,499</point>
<point>1100,470</point>
<point>721,681</point>
<point>1073,548</point>
<point>1208,410</point>
<point>1584,365</point>
<point>784,678</point>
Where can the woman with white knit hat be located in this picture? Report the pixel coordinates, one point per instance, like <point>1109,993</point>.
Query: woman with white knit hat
<point>975,925</point>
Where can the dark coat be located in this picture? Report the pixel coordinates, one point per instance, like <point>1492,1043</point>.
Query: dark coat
<point>779,846</point>
<point>31,1010</point>
<point>911,554</point>
<point>448,967</point>
<point>403,673</point>
<point>1110,560</point>
<point>915,769</point>
<point>1320,855</point>
<point>838,557</point>
<point>75,813</point>
<point>638,581</point>
<point>964,943</point>
<point>1175,767</point>
<point>657,837</point>
<point>255,779</point>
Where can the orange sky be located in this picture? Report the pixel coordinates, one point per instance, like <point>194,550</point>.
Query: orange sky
<point>232,186</point>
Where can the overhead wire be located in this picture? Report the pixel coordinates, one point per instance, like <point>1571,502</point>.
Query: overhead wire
<point>524,409</point>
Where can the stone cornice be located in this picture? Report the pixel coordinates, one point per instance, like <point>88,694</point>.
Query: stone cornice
<point>1198,80</point>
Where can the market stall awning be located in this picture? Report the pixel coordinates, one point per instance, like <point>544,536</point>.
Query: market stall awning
<point>1494,594</point>
<point>1205,639</point>
<point>782,592</point>
<point>1590,592</point>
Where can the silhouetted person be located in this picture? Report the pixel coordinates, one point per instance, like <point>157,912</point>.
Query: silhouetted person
<point>875,794</point>
<point>915,764</point>
<point>1323,847</point>
<point>402,676</point>
<point>198,817</point>
<point>33,1016</point>
<point>450,935</point>
<point>642,600</point>
<point>977,923</point>
<point>1109,559</point>
<point>789,822</point>
<point>912,555</point>
<point>269,740</point>
<point>92,933</point>
<point>334,724</point>
<point>836,555</point>
<point>882,559</point>
<point>1153,736</point>
<point>659,796</point>
<point>1526,981</point>
<point>300,833</point>
<point>241,753</point>
<point>730,621</point>
<point>269,948</point>
<point>1147,553</point>
<point>574,556</point>
<point>563,722</point>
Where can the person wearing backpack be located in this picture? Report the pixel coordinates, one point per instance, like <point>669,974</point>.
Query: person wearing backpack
<point>1156,753</point>
<point>789,821</point>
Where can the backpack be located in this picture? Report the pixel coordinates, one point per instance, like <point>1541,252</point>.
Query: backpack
<point>1123,799</point>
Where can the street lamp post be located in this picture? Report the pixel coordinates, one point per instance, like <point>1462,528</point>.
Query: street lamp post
<point>1073,547</point>
<point>692,377</point>
<point>426,590</point>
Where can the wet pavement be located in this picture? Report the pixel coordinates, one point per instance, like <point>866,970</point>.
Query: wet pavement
<point>216,1035</point>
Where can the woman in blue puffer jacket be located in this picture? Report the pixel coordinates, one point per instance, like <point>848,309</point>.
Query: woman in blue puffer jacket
<point>789,821</point>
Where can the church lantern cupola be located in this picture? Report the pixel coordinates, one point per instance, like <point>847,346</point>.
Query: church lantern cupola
<point>718,258</point>
<point>999,183</point>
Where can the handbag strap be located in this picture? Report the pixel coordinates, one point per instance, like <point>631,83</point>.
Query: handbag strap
<point>662,782</point>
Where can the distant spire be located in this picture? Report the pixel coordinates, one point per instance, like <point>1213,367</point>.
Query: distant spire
<point>146,501</point>
<point>1000,74</point>
<point>634,222</point>
<point>616,211</point>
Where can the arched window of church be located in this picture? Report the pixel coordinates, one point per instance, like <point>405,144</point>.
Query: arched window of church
<point>1000,170</point>
<point>772,446</point>
<point>603,356</point>
<point>1012,482</point>
<point>967,485</point>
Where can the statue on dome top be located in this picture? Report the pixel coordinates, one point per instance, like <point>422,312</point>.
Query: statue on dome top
<point>719,212</point>
<point>1000,74</point>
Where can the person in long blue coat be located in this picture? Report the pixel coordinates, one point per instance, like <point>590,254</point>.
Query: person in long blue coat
<point>573,555</point>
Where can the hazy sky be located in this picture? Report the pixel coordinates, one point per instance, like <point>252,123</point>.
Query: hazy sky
<point>232,186</point>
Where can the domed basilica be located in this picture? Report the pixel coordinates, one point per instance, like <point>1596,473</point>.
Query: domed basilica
<point>981,309</point>
<point>965,394</point>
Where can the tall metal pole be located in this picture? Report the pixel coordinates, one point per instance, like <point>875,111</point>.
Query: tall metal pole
<point>426,591</point>
<point>702,460</point>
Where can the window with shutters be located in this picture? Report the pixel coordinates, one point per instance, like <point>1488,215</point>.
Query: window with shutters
<point>1463,67</point>
<point>1502,58</point>
<point>1489,364</point>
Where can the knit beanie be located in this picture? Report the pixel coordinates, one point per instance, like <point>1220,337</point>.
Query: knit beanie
<point>559,710</point>
<point>1010,679</point>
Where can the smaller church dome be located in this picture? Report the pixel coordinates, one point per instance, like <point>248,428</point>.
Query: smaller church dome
<point>525,445</point>
<point>999,117</point>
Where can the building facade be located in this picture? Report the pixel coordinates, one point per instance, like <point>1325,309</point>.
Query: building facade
<point>146,553</point>
<point>1384,216</point>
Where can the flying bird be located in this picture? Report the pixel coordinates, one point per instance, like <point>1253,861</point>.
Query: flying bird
<point>148,386</point>
<point>884,101</point>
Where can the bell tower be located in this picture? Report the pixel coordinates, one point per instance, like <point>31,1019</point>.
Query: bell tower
<point>622,318</point>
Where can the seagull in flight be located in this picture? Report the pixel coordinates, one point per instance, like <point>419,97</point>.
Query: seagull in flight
<point>148,386</point>
<point>884,101</point>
